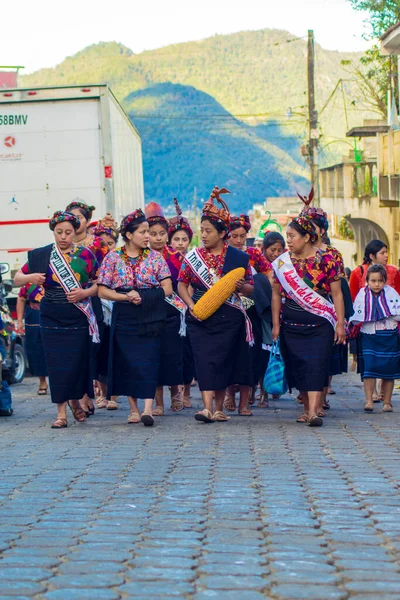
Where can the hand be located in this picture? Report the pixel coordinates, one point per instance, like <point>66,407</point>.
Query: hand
<point>37,278</point>
<point>275,332</point>
<point>134,297</point>
<point>191,312</point>
<point>20,326</point>
<point>340,334</point>
<point>240,285</point>
<point>76,295</point>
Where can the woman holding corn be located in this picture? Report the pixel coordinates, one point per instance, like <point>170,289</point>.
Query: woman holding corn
<point>221,342</point>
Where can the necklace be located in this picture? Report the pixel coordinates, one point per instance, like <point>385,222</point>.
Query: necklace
<point>133,263</point>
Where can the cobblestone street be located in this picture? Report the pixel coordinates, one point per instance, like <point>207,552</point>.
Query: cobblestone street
<point>254,508</point>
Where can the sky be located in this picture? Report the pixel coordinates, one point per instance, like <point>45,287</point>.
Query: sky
<point>47,31</point>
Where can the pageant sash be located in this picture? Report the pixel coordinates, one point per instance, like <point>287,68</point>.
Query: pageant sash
<point>299,291</point>
<point>177,302</point>
<point>201,270</point>
<point>69,282</point>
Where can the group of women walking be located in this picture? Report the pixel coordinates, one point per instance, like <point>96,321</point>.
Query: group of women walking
<point>124,316</point>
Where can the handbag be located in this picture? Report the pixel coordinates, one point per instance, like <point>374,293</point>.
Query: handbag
<point>275,382</point>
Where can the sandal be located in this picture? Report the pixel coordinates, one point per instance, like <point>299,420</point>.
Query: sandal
<point>220,416</point>
<point>369,407</point>
<point>158,411</point>
<point>263,404</point>
<point>79,414</point>
<point>300,399</point>
<point>376,397</point>
<point>112,405</point>
<point>229,403</point>
<point>42,391</point>
<point>147,420</point>
<point>331,392</point>
<point>245,412</point>
<point>177,402</point>
<point>186,402</point>
<point>302,418</point>
<point>315,421</point>
<point>59,424</point>
<point>321,413</point>
<point>101,402</point>
<point>134,417</point>
<point>326,405</point>
<point>387,407</point>
<point>204,416</point>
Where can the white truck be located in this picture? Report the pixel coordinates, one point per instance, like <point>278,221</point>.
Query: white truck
<point>58,144</point>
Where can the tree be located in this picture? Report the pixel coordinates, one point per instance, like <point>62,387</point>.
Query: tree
<point>383,14</point>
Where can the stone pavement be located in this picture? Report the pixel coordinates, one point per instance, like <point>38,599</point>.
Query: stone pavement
<point>254,508</point>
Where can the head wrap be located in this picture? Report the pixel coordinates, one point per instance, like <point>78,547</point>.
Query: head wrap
<point>85,208</point>
<point>313,212</point>
<point>63,216</point>
<point>240,221</point>
<point>212,212</point>
<point>179,223</point>
<point>107,225</point>
<point>93,224</point>
<point>305,223</point>
<point>134,218</point>
<point>155,214</point>
<point>267,226</point>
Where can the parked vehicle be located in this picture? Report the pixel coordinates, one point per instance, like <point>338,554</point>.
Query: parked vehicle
<point>58,144</point>
<point>15,360</point>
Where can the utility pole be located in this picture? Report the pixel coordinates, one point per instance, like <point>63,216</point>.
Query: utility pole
<point>313,136</point>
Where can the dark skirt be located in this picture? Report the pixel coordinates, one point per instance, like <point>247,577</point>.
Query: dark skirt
<point>66,341</point>
<point>134,360</point>
<point>306,345</point>
<point>103,353</point>
<point>34,343</point>
<point>380,355</point>
<point>221,353</point>
<point>339,360</point>
<point>256,351</point>
<point>189,369</point>
<point>171,359</point>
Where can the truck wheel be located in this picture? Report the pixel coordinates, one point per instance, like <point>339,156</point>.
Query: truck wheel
<point>18,373</point>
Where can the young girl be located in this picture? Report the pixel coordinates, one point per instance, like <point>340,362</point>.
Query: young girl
<point>377,307</point>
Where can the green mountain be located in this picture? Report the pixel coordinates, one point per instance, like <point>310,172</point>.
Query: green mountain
<point>216,111</point>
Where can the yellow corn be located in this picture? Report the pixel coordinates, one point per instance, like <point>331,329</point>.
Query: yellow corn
<point>218,294</point>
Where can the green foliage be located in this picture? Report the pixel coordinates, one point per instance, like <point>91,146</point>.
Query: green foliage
<point>345,230</point>
<point>383,14</point>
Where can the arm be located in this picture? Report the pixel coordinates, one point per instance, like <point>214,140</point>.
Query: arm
<point>166,285</point>
<point>276,310</point>
<point>20,312</point>
<point>246,289</point>
<point>21,278</point>
<point>80,293</point>
<point>337,296</point>
<point>183,292</point>
<point>108,294</point>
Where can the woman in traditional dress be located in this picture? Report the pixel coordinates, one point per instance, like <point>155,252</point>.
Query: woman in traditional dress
<point>220,343</point>
<point>273,245</point>
<point>238,231</point>
<point>180,235</point>
<point>108,230</point>
<point>310,324</point>
<point>67,319</point>
<point>99,248</point>
<point>137,280</point>
<point>28,306</point>
<point>171,368</point>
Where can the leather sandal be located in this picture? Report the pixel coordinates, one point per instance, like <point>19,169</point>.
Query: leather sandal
<point>177,402</point>
<point>134,417</point>
<point>42,391</point>
<point>112,405</point>
<point>302,418</point>
<point>229,402</point>
<point>220,416</point>
<point>369,407</point>
<point>59,424</point>
<point>158,411</point>
<point>101,402</point>
<point>387,407</point>
<point>204,416</point>
<point>245,412</point>
<point>315,421</point>
<point>79,414</point>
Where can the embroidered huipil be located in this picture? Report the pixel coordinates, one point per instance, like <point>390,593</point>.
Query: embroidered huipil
<point>258,260</point>
<point>33,294</point>
<point>318,272</point>
<point>123,273</point>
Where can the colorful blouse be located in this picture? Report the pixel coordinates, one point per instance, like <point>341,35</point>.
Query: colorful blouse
<point>31,293</point>
<point>121,272</point>
<point>82,262</point>
<point>258,260</point>
<point>213,261</point>
<point>174,261</point>
<point>97,246</point>
<point>337,256</point>
<point>317,271</point>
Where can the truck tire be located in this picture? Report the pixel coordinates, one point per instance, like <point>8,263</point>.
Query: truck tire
<point>18,373</point>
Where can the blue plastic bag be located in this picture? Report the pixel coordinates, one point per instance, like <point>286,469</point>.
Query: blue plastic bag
<point>275,379</point>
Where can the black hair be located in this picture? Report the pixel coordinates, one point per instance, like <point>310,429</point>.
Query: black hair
<point>321,222</point>
<point>219,225</point>
<point>347,271</point>
<point>271,238</point>
<point>131,228</point>
<point>160,222</point>
<point>377,269</point>
<point>303,232</point>
<point>372,248</point>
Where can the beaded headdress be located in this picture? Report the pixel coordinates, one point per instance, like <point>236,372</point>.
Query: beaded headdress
<point>78,203</point>
<point>240,221</point>
<point>62,216</point>
<point>107,225</point>
<point>313,212</point>
<point>211,211</point>
<point>304,221</point>
<point>179,222</point>
<point>136,217</point>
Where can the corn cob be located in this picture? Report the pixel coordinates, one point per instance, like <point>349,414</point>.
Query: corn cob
<point>218,294</point>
